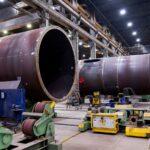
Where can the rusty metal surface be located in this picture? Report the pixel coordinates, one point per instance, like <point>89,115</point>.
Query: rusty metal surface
<point>39,107</point>
<point>27,127</point>
<point>112,75</point>
<point>17,58</point>
<point>20,56</point>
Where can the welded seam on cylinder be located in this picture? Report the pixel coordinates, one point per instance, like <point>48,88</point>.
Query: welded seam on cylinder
<point>17,55</point>
<point>117,75</point>
<point>149,70</point>
<point>103,64</point>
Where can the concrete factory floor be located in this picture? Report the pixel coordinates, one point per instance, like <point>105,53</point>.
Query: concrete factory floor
<point>67,133</point>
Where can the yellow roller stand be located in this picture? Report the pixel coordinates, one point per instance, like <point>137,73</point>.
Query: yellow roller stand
<point>138,132</point>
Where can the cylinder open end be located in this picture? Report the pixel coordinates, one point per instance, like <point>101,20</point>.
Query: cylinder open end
<point>56,64</point>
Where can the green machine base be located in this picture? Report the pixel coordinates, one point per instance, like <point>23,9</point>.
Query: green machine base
<point>5,138</point>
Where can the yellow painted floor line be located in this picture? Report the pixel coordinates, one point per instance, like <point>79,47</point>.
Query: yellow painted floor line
<point>68,138</point>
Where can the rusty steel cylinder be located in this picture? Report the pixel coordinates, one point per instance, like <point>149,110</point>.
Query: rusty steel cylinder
<point>43,58</point>
<point>112,75</point>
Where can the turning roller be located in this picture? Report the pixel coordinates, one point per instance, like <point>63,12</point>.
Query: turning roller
<point>39,107</point>
<point>27,127</point>
<point>39,127</point>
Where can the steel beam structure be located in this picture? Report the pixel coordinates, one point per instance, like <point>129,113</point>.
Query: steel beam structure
<point>19,22</point>
<point>71,10</point>
<point>8,13</point>
<point>59,17</point>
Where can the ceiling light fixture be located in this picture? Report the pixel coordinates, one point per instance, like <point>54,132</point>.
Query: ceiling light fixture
<point>69,35</point>
<point>83,55</point>
<point>80,43</point>
<point>122,12</point>
<point>138,40</point>
<point>129,24</point>
<point>86,46</point>
<point>20,5</point>
<point>5,31</point>
<point>2,1</point>
<point>29,25</point>
<point>53,7</point>
<point>134,33</point>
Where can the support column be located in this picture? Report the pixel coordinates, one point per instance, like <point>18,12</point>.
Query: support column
<point>45,17</point>
<point>93,45</point>
<point>75,41</point>
<point>104,50</point>
<point>93,50</point>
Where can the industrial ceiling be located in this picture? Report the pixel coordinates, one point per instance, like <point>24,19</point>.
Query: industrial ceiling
<point>137,12</point>
<point>107,13</point>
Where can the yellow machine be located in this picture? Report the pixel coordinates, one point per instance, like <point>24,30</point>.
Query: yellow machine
<point>137,131</point>
<point>86,123</point>
<point>96,98</point>
<point>104,122</point>
<point>143,131</point>
<point>135,121</point>
<point>119,106</point>
<point>146,116</point>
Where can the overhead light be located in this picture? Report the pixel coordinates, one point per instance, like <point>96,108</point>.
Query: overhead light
<point>69,35</point>
<point>138,40</point>
<point>32,53</point>
<point>86,46</point>
<point>129,24</point>
<point>122,12</point>
<point>20,5</point>
<point>29,25</point>
<point>5,31</point>
<point>53,7</point>
<point>80,43</point>
<point>83,55</point>
<point>1,1</point>
<point>134,33</point>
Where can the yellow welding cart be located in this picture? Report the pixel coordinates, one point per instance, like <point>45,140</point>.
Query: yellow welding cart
<point>104,122</point>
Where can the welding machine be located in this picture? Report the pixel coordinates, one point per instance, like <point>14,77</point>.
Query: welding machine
<point>104,123</point>
<point>12,102</point>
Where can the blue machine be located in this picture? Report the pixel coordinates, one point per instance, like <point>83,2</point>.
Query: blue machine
<point>12,102</point>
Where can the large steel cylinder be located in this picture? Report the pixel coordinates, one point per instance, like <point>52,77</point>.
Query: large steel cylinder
<point>112,75</point>
<point>43,58</point>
